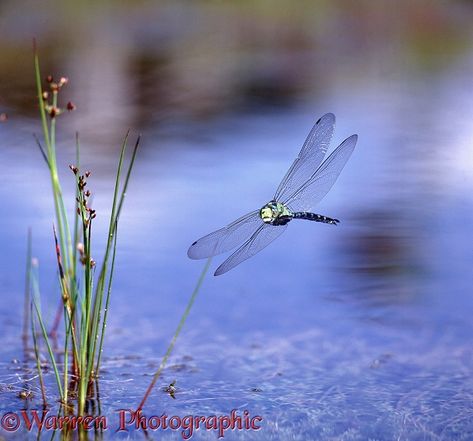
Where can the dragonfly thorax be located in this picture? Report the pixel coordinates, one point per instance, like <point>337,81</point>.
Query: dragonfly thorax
<point>275,213</point>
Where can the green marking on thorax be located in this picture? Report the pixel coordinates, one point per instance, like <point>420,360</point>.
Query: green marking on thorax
<point>275,213</point>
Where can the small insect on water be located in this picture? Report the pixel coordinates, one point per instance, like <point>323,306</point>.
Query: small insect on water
<point>305,184</point>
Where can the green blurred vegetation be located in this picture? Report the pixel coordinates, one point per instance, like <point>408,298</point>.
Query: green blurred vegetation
<point>198,59</point>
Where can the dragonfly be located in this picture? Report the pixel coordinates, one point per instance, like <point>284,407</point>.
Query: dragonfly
<point>305,184</point>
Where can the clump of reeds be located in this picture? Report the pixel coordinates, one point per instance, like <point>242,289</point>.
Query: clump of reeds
<point>85,289</point>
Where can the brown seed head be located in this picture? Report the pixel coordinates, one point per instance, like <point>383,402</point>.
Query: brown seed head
<point>71,106</point>
<point>53,111</point>
<point>63,81</point>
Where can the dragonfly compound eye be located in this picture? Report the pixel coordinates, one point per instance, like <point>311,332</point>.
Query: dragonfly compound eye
<point>266,214</point>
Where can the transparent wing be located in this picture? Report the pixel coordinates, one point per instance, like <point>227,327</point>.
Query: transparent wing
<point>226,238</point>
<point>261,238</point>
<point>313,191</point>
<point>310,157</point>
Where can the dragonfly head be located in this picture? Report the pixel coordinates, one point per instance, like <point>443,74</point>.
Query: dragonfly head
<point>275,213</point>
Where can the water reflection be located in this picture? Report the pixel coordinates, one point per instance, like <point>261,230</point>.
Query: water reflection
<point>384,258</point>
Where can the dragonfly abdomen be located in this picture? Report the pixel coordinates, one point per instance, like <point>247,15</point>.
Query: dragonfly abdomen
<point>315,217</point>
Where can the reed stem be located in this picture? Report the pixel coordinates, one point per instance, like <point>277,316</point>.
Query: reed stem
<point>176,333</point>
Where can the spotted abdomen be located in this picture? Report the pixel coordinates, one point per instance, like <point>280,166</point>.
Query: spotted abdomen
<point>315,217</point>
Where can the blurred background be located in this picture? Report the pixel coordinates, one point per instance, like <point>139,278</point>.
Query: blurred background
<point>351,333</point>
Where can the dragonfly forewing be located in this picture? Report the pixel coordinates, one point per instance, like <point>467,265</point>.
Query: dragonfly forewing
<point>310,157</point>
<point>314,190</point>
<point>260,239</point>
<point>226,238</point>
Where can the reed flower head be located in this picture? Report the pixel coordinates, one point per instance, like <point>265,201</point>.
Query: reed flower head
<point>50,98</point>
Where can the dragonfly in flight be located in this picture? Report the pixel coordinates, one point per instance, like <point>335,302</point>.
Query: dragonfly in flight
<point>305,184</point>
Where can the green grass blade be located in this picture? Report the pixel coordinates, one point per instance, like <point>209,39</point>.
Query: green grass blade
<point>50,139</point>
<point>107,303</point>
<point>26,309</point>
<point>127,180</point>
<point>41,149</point>
<point>76,230</point>
<point>39,89</point>
<point>36,353</point>
<point>35,299</point>
<point>103,270</point>
<point>176,333</point>
<point>111,243</point>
